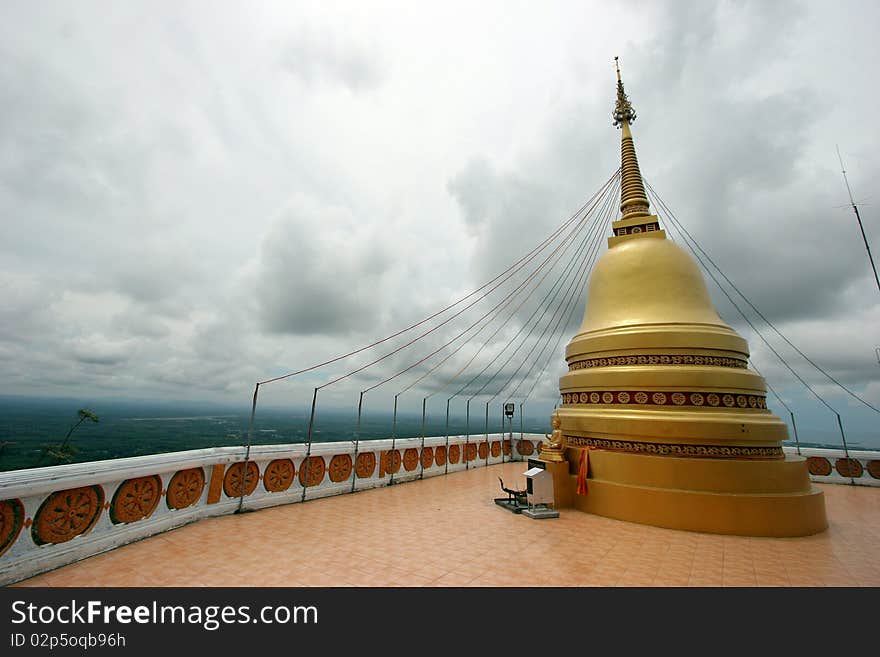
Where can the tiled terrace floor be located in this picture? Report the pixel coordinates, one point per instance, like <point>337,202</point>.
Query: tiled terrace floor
<point>446,531</point>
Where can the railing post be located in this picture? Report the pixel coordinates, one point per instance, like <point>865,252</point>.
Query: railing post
<point>393,441</point>
<point>487,434</point>
<point>520,428</point>
<point>247,453</point>
<point>446,468</point>
<point>422,450</point>
<point>794,428</point>
<point>309,447</point>
<point>467,440</point>
<point>357,440</point>
<point>845,449</point>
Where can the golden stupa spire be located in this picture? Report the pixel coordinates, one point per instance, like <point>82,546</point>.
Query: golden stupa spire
<point>633,200</point>
<point>661,416</point>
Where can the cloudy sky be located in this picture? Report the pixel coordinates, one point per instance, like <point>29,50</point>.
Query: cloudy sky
<point>195,196</point>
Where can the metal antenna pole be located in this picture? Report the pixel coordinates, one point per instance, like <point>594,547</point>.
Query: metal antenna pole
<point>858,218</point>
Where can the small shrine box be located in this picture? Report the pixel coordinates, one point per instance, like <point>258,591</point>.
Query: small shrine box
<point>539,486</point>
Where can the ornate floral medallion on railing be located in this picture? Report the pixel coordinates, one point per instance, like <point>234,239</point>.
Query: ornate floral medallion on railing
<point>232,482</point>
<point>874,469</point>
<point>366,465</point>
<point>390,462</point>
<point>410,459</point>
<point>471,451</point>
<point>279,475</point>
<point>818,466</point>
<point>311,471</point>
<point>505,446</point>
<point>440,455</point>
<point>11,522</point>
<point>525,447</point>
<point>427,457</point>
<point>185,488</point>
<point>340,468</point>
<point>848,468</point>
<point>135,499</point>
<point>67,514</point>
<point>454,453</point>
<point>496,448</point>
<point>484,451</point>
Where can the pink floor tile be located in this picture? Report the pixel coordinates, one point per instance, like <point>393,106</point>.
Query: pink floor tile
<point>445,531</point>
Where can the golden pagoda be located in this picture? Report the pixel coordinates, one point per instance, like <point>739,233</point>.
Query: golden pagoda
<point>660,393</point>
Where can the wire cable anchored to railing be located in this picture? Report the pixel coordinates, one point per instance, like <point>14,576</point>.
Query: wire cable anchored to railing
<point>573,294</point>
<point>566,232</point>
<point>487,317</point>
<point>571,309</point>
<point>516,265</point>
<point>685,234</point>
<point>696,250</point>
<point>498,306</point>
<point>607,203</point>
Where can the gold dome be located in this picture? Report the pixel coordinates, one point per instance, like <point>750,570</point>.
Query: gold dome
<point>646,281</point>
<point>653,362</point>
<point>645,291</point>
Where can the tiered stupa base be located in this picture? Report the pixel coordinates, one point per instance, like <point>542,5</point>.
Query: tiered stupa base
<point>721,496</point>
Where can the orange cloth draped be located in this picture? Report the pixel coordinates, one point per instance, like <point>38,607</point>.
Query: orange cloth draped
<point>582,471</point>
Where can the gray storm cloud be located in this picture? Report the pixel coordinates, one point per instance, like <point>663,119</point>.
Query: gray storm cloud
<point>322,273</point>
<point>317,57</point>
<point>194,198</point>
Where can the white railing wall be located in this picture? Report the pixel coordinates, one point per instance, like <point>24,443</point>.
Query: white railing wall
<point>830,466</point>
<point>56,515</point>
<point>60,514</point>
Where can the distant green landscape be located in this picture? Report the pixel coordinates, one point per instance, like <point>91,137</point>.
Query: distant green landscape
<point>140,428</point>
<point>135,429</point>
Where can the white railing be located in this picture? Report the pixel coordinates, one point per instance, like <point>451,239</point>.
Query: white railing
<point>57,515</point>
<point>830,466</point>
<point>60,514</point>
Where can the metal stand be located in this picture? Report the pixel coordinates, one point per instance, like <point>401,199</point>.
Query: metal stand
<point>540,511</point>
